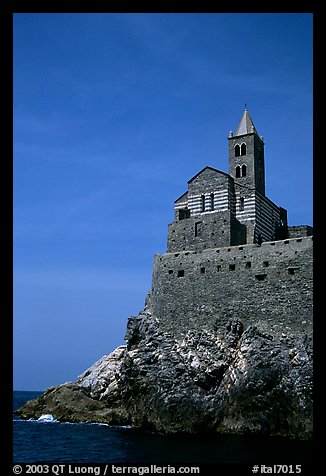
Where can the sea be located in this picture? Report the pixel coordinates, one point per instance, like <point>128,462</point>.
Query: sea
<point>49,441</point>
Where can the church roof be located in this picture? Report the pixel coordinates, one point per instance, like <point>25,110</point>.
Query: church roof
<point>206,168</point>
<point>246,124</point>
<point>182,197</point>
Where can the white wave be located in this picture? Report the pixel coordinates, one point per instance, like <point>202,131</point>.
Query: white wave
<point>47,418</point>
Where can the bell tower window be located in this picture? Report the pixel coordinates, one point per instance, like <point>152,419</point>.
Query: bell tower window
<point>237,151</point>
<point>237,171</point>
<point>243,149</point>
<point>244,170</point>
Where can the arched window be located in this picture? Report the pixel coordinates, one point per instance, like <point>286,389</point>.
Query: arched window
<point>212,201</point>
<point>237,171</point>
<point>243,149</point>
<point>244,170</point>
<point>237,150</point>
<point>202,203</point>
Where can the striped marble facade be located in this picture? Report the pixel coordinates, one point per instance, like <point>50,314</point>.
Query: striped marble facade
<point>251,208</point>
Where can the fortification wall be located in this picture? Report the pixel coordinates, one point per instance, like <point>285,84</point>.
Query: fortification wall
<point>269,286</point>
<point>301,230</point>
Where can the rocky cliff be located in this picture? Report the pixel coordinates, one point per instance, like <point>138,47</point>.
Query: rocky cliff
<point>227,379</point>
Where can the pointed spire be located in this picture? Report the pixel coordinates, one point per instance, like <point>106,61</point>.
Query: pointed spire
<point>246,124</point>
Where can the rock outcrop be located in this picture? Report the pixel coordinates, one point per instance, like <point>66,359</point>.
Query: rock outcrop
<point>228,379</point>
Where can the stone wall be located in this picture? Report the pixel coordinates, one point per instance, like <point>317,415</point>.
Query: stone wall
<point>268,285</point>
<point>301,230</point>
<point>208,230</point>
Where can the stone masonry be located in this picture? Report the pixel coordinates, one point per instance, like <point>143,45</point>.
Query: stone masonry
<point>269,286</point>
<point>231,253</point>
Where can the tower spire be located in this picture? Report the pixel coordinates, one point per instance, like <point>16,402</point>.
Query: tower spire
<point>246,125</point>
<point>246,155</point>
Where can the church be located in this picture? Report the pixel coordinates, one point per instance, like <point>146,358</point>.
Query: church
<point>221,209</point>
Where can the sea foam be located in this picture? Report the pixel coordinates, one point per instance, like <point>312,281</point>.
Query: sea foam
<point>47,418</point>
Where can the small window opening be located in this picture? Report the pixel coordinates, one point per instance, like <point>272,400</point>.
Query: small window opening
<point>244,170</point>
<point>181,273</point>
<point>219,267</point>
<point>170,271</point>
<point>202,270</point>
<point>237,150</point>
<point>184,213</point>
<point>260,277</point>
<point>237,171</point>
<point>292,270</point>
<point>248,264</point>
<point>212,202</point>
<point>241,204</point>
<point>265,264</point>
<point>243,149</point>
<point>198,228</point>
<point>232,267</point>
<point>202,203</point>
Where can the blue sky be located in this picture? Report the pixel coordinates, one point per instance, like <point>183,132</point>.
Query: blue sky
<point>113,114</point>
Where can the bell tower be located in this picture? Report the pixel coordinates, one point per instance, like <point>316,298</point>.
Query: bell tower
<point>246,155</point>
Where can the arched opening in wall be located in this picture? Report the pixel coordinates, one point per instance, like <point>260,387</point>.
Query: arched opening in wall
<point>237,171</point>
<point>243,149</point>
<point>202,198</point>
<point>237,150</point>
<point>244,170</point>
<point>212,202</point>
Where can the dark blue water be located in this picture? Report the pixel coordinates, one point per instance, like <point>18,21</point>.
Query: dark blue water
<point>40,442</point>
